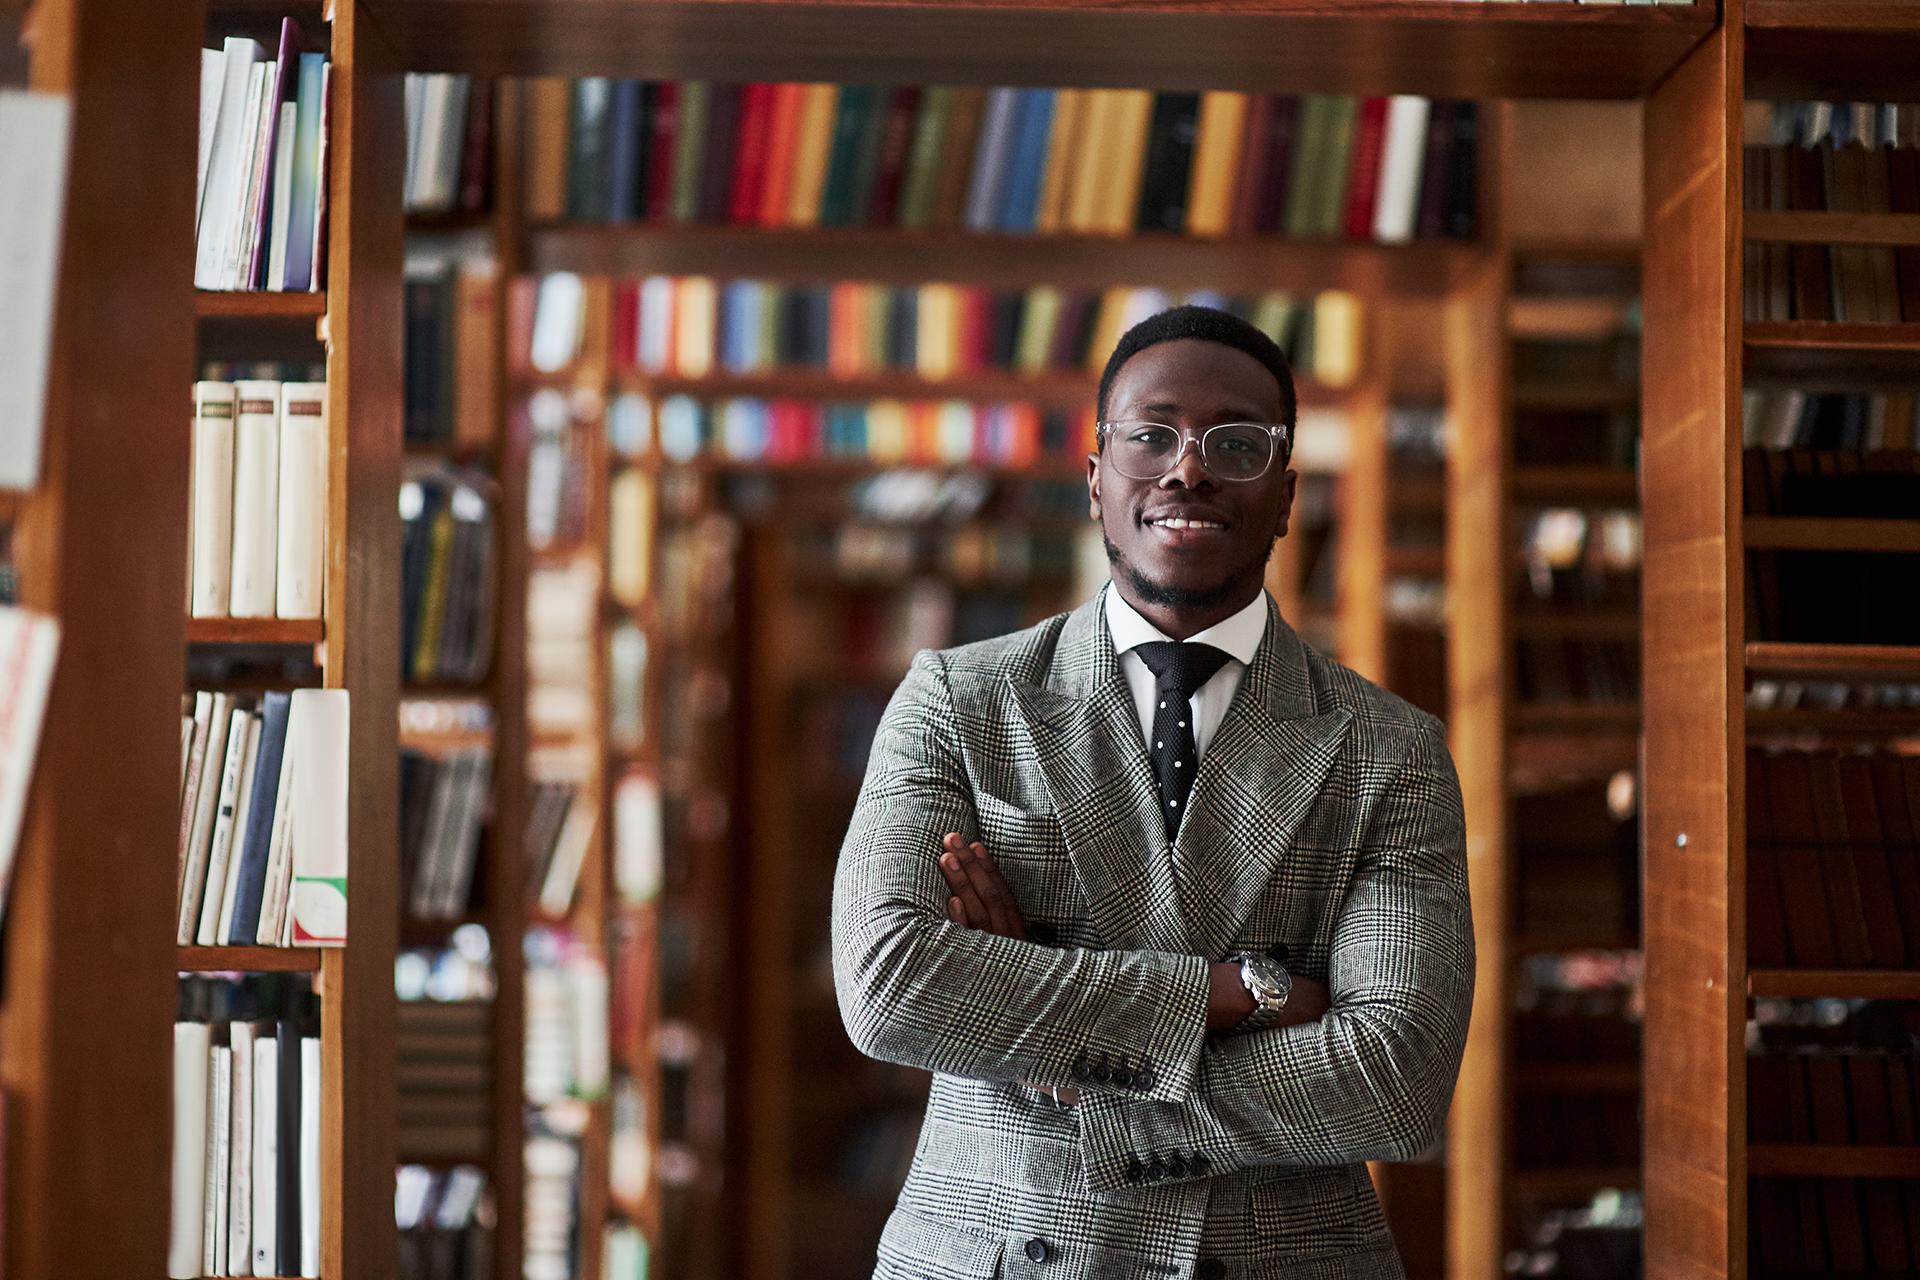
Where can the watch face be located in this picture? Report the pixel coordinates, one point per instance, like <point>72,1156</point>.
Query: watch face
<point>1271,981</point>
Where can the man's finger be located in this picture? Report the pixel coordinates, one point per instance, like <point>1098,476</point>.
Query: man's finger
<point>963,886</point>
<point>957,912</point>
<point>1016,923</point>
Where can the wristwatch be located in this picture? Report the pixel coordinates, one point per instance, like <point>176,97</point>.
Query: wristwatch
<point>1269,983</point>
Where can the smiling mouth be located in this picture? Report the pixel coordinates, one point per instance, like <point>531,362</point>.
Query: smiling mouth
<point>1182,523</point>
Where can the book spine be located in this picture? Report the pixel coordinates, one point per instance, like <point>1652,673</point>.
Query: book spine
<point>717,153</point>
<point>812,149</point>
<point>903,105</point>
<point>663,148</point>
<point>690,143</point>
<point>312,1192</point>
<point>776,189</point>
<point>854,108</point>
<point>287,1150</point>
<point>302,508</point>
<point>186,1235</point>
<point>319,836</point>
<point>1217,145</point>
<point>213,445</point>
<point>252,871</point>
<point>1169,162</point>
<point>240,1164</point>
<point>750,154</point>
<point>266,1155</point>
<point>1363,187</point>
<point>987,181</point>
<point>256,488</point>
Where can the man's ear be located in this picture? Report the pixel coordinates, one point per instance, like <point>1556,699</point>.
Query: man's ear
<point>1287,488</point>
<point>1093,486</point>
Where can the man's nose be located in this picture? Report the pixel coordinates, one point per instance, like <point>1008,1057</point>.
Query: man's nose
<point>1187,470</point>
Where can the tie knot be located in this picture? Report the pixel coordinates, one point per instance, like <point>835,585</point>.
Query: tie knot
<point>1178,667</point>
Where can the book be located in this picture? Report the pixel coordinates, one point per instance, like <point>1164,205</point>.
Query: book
<point>1168,163</point>
<point>1403,150</point>
<point>1218,148</point>
<point>1363,188</point>
<point>317,742</point>
<point>262,804</point>
<point>200,823</point>
<point>312,1193</point>
<point>288,1079</point>
<point>240,1151</point>
<point>212,501</point>
<point>192,1041</point>
<point>200,906</point>
<point>989,176</point>
<point>267,1129</point>
<point>213,1252</point>
<point>256,492</point>
<point>225,180</point>
<point>301,507</point>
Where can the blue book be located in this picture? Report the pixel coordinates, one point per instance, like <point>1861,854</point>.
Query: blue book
<point>308,119</point>
<point>1028,163</point>
<point>252,885</point>
<point>626,133</point>
<point>987,180</point>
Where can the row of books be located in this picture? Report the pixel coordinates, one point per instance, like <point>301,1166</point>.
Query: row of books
<point>446,1222</point>
<point>1832,597</point>
<point>263,819</point>
<point>262,184</point>
<point>1561,672</point>
<point>630,526</point>
<point>1832,482</point>
<point>247,1194</point>
<point>259,500</point>
<point>553,1185</point>
<point>1575,557</point>
<point>1857,157</point>
<point>443,1076</point>
<point>1577,1128</point>
<point>562,608</point>
<point>568,1054</point>
<point>1792,417</point>
<point>444,803</point>
<point>638,838</point>
<point>965,556</point>
<point>697,326</point>
<point>449,143</point>
<point>1831,1025</point>
<point>1596,1239</point>
<point>1882,698</point>
<point>1833,859</point>
<point>1015,160</point>
<point>1832,1226</point>
<point>1832,1098</point>
<point>448,570</point>
<point>448,341</point>
<point>560,455</point>
<point>628,650</point>
<point>559,830</point>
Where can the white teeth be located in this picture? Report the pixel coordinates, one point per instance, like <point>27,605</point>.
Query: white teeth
<point>1168,522</point>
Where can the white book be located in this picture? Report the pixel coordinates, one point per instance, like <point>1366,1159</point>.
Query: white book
<point>198,918</point>
<point>224,925</point>
<point>240,1145</point>
<point>445,175</point>
<point>247,228</point>
<point>190,789</point>
<point>302,514</point>
<point>636,838</point>
<point>557,312</point>
<point>318,735</point>
<point>242,742</point>
<point>414,92</point>
<point>212,71</point>
<point>656,323</point>
<point>273,902</point>
<point>592,1051</point>
<point>1402,154</point>
<point>256,497</point>
<point>186,745</point>
<point>28,644</point>
<point>220,203</point>
<point>425,143</point>
<point>213,782</point>
<point>457,889</point>
<point>695,318</point>
<point>310,1131</point>
<point>282,216</point>
<point>266,1151</point>
<point>569,853</point>
<point>219,1154</point>
<point>423,893</point>
<point>232,225</point>
<point>191,1040</point>
<point>212,534</point>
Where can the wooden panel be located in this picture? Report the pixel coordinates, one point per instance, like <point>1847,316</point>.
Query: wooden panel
<point>363,629</point>
<point>1860,51</point>
<point>1425,267</point>
<point>261,305</point>
<point>1361,587</point>
<point>1691,817</point>
<point>256,631</point>
<point>1868,17</point>
<point>1843,661</point>
<point>1834,1161</point>
<point>1359,46</point>
<point>1832,533</point>
<point>85,1034</point>
<point>1478,1140</point>
<point>1833,335</point>
<point>1854,984</point>
<point>247,960</point>
<point>1577,484</point>
<point>1832,228</point>
<point>1575,156</point>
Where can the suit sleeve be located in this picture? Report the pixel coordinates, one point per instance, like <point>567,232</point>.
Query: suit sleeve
<point>914,988</point>
<point>1372,1079</point>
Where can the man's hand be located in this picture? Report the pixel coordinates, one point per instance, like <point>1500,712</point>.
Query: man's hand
<point>980,898</point>
<point>1228,1000</point>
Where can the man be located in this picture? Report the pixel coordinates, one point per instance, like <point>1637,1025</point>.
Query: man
<point>1181,929</point>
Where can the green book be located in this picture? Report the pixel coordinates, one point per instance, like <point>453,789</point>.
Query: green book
<point>851,114</point>
<point>1309,151</point>
<point>866,156</point>
<point>766,347</point>
<point>689,151</point>
<point>587,129</point>
<point>1336,164</point>
<point>923,160</point>
<point>1038,319</point>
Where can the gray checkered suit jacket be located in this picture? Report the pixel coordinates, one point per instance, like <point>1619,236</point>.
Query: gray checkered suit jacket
<point>1325,816</point>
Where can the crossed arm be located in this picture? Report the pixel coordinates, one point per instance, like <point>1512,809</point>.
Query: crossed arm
<point>1370,1077</point>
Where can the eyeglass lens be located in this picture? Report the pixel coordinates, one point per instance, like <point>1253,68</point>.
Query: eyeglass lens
<point>1231,451</point>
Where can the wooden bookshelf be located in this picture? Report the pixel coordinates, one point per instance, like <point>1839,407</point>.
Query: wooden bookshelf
<point>248,960</point>
<point>1366,46</point>
<point>1700,652</point>
<point>260,306</point>
<point>293,631</point>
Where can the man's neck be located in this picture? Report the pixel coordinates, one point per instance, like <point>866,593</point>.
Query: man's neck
<point>1180,622</point>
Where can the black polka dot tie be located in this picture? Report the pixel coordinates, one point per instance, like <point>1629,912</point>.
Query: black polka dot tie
<point>1178,669</point>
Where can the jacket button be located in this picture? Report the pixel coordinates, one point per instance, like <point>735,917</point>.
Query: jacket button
<point>1042,933</point>
<point>1135,1171</point>
<point>1080,1071</point>
<point>1210,1269</point>
<point>1176,1166</point>
<point>1156,1171</point>
<point>1037,1250</point>
<point>1143,1078</point>
<point>1102,1074</point>
<point>1278,951</point>
<point>1199,1165</point>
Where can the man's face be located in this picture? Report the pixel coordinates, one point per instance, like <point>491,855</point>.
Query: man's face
<point>1191,384</point>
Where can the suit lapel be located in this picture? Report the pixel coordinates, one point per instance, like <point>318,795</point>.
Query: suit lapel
<point>1260,777</point>
<point>1086,743</point>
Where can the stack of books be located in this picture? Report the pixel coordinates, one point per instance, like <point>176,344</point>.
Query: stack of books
<point>444,801</point>
<point>449,346</point>
<point>445,1218</point>
<point>449,143</point>
<point>259,506</point>
<point>263,166</point>
<point>447,574</point>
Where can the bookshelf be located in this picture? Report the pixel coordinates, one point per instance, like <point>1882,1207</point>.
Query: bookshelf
<point>1718,1189</point>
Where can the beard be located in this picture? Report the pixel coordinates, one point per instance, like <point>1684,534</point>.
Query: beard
<point>1148,591</point>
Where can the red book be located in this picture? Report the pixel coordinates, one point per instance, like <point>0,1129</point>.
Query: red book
<point>976,330</point>
<point>903,104</point>
<point>1363,179</point>
<point>662,126</point>
<point>626,324</point>
<point>1271,209</point>
<point>476,159</point>
<point>755,127</point>
<point>777,173</point>
<point>1250,174</point>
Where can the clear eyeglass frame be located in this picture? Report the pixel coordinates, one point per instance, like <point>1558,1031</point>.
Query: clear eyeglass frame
<point>1198,441</point>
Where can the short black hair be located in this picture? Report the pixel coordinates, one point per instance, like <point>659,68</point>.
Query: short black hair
<point>1208,324</point>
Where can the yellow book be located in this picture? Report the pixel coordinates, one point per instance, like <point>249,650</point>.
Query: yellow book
<point>1038,319</point>
<point>1063,145</point>
<point>1082,211</point>
<point>877,299</point>
<point>1336,338</point>
<point>547,105</point>
<point>1216,152</point>
<point>810,144</point>
<point>696,306</point>
<point>1109,324</point>
<point>937,337</point>
<point>888,431</point>
<point>629,535</point>
<point>1125,162</point>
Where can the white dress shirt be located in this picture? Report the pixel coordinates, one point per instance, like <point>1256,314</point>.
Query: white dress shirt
<point>1238,637</point>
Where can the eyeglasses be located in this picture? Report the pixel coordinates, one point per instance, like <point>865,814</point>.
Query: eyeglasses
<point>1232,451</point>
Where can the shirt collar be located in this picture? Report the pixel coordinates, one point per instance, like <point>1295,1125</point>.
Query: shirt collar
<point>1238,636</point>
